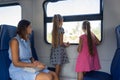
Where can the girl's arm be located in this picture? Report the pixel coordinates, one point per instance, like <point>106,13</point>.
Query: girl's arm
<point>97,42</point>
<point>63,43</point>
<point>80,45</point>
<point>14,45</point>
<point>61,39</point>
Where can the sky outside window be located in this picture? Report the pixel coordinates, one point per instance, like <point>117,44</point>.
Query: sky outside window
<point>73,7</point>
<point>73,30</point>
<point>10,15</point>
<point>69,9</point>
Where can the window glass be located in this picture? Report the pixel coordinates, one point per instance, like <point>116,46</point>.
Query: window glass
<point>73,7</point>
<point>73,30</point>
<point>10,15</point>
<point>74,13</point>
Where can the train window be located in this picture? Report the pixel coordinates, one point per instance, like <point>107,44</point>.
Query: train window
<point>10,14</point>
<point>73,12</point>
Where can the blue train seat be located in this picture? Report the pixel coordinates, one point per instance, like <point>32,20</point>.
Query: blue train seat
<point>115,70</point>
<point>8,32</point>
<point>117,31</point>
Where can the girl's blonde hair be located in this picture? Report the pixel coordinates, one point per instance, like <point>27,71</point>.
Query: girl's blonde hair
<point>86,26</point>
<point>57,20</point>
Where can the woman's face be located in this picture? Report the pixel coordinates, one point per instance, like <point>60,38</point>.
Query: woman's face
<point>29,29</point>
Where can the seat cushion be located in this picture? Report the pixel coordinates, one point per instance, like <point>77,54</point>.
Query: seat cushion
<point>97,75</point>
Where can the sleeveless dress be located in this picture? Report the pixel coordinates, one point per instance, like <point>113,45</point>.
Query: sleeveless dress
<point>85,62</point>
<point>19,73</point>
<point>58,54</point>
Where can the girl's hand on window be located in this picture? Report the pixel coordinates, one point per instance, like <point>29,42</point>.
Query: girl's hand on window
<point>67,44</point>
<point>93,35</point>
<point>95,39</point>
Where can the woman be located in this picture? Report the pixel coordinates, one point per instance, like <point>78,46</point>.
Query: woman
<point>23,63</point>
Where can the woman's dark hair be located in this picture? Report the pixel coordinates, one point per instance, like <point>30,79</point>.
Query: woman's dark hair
<point>22,27</point>
<point>86,26</point>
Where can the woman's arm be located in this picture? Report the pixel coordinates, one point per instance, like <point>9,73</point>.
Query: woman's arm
<point>14,45</point>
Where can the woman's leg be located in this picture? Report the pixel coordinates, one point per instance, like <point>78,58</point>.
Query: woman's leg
<point>54,75</point>
<point>80,76</point>
<point>44,76</point>
<point>58,69</point>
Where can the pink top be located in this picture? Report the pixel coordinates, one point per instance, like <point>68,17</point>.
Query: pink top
<point>85,62</point>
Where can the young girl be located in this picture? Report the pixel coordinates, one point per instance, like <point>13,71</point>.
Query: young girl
<point>88,57</point>
<point>58,53</point>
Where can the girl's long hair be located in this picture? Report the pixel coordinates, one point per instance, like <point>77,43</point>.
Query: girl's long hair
<point>86,26</point>
<point>57,19</point>
<point>22,28</point>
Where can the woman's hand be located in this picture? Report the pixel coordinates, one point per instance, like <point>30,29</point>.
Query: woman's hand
<point>39,65</point>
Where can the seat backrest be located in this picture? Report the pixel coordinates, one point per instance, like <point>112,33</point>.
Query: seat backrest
<point>34,54</point>
<point>115,66</point>
<point>7,33</point>
<point>0,31</point>
<point>117,31</point>
<point>0,35</point>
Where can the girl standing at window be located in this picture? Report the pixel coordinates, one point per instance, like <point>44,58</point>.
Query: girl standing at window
<point>58,52</point>
<point>87,59</point>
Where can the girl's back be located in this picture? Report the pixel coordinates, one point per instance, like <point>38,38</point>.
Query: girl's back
<point>58,54</point>
<point>85,47</point>
<point>85,61</point>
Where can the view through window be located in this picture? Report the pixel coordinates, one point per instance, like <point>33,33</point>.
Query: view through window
<point>69,9</point>
<point>10,15</point>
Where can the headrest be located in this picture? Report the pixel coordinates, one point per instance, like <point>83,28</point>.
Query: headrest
<point>7,32</point>
<point>117,31</point>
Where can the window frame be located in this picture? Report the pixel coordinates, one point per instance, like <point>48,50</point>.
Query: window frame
<point>9,4</point>
<point>71,18</point>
